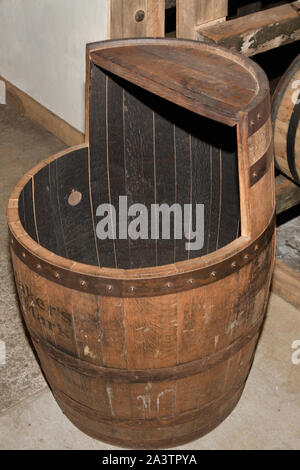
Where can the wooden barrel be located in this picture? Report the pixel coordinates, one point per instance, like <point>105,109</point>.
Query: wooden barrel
<point>148,342</point>
<point>285,120</point>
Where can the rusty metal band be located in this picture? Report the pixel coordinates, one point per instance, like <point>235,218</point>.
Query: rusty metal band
<point>144,287</point>
<point>145,375</point>
<point>259,115</point>
<point>260,168</point>
<point>72,406</point>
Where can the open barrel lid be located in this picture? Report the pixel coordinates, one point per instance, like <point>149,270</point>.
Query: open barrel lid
<point>203,78</point>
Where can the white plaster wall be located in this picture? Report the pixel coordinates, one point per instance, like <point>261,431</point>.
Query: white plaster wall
<point>42,50</point>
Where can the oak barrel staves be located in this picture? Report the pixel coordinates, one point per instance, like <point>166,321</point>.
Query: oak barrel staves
<point>146,344</point>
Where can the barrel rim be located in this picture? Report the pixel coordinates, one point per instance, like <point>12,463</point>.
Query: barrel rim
<point>116,282</point>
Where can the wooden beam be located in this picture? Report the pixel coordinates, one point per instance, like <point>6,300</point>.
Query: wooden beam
<point>286,283</point>
<point>136,18</point>
<point>258,32</point>
<point>287,194</point>
<point>193,13</point>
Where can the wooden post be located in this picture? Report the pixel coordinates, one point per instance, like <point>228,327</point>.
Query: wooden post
<point>136,18</point>
<point>193,13</point>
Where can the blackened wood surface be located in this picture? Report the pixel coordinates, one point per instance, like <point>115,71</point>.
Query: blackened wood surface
<point>140,162</point>
<point>183,177</point>
<point>55,215</point>
<point>77,223</point>
<point>99,156</point>
<point>116,164</point>
<point>47,213</point>
<point>201,180</point>
<point>160,153</point>
<point>165,182</point>
<point>153,152</point>
<point>27,217</point>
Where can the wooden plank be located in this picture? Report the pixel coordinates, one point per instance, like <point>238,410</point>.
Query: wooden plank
<point>193,13</point>
<point>286,283</point>
<point>209,92</point>
<point>29,215</point>
<point>46,118</point>
<point>139,155</point>
<point>183,168</point>
<point>151,332</point>
<point>258,32</point>
<point>165,180</point>
<point>116,161</point>
<point>136,18</point>
<point>230,203</point>
<point>99,156</point>
<point>72,174</point>
<point>287,194</point>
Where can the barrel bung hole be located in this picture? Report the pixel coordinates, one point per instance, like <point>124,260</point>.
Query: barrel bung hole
<point>74,198</point>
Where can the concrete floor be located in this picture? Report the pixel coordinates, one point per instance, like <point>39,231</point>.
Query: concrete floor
<point>267,416</point>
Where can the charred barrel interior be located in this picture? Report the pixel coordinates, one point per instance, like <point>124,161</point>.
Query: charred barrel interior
<point>150,150</point>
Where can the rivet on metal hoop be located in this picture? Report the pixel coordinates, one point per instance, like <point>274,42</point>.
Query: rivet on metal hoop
<point>259,116</point>
<point>12,241</point>
<point>246,257</point>
<point>213,274</point>
<point>191,281</point>
<point>169,285</point>
<point>57,275</point>
<point>254,174</point>
<point>39,267</point>
<point>131,289</point>
<point>233,264</point>
<point>252,123</point>
<point>109,288</point>
<point>256,248</point>
<point>23,254</point>
<point>83,283</point>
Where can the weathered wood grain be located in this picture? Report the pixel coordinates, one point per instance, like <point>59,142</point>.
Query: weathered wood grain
<point>257,32</point>
<point>136,18</point>
<point>146,345</point>
<point>192,13</point>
